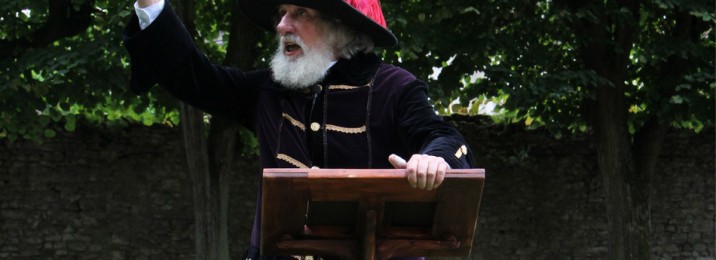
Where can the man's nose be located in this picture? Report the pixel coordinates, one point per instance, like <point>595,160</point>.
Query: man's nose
<point>285,25</point>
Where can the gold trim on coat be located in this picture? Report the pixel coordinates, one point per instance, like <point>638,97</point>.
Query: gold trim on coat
<point>344,87</point>
<point>294,122</point>
<point>346,130</point>
<point>291,160</point>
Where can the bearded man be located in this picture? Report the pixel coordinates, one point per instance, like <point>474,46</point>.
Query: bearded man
<point>326,101</point>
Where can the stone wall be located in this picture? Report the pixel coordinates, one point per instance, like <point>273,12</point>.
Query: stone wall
<point>125,194</point>
<point>544,198</point>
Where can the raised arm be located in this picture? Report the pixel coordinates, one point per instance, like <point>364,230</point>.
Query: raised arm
<point>164,53</point>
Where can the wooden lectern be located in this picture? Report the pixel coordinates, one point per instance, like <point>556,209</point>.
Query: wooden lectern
<point>367,214</point>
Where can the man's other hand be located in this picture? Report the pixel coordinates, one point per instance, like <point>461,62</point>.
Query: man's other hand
<point>423,171</point>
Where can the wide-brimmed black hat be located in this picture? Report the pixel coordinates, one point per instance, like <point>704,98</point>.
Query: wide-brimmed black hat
<point>362,15</point>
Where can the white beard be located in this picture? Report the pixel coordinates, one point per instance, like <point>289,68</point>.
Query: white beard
<point>303,71</point>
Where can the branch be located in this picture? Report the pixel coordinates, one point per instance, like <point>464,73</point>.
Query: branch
<point>241,51</point>
<point>64,20</point>
<point>626,33</point>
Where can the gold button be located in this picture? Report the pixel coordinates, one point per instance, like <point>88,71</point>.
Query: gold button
<point>463,148</point>
<point>315,126</point>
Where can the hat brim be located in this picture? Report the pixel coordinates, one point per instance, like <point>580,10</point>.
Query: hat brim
<point>263,12</point>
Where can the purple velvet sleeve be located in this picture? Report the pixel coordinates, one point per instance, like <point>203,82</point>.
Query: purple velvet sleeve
<point>427,133</point>
<point>164,53</point>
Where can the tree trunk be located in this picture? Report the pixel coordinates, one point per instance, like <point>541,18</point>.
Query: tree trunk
<point>627,169</point>
<point>208,166</point>
<point>648,139</point>
<point>615,163</point>
<point>211,162</point>
<point>222,143</point>
<point>646,148</point>
<point>205,212</point>
<point>626,166</point>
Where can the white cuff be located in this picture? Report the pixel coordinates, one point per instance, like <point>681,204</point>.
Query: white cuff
<point>148,14</point>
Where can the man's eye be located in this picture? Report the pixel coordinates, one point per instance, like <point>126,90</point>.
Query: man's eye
<point>301,12</point>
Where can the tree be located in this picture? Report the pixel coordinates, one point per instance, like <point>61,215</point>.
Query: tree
<point>63,60</point>
<point>623,71</point>
<point>71,64</point>
<point>210,158</point>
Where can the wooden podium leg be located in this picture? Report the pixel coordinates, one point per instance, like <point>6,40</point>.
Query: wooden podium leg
<point>369,235</point>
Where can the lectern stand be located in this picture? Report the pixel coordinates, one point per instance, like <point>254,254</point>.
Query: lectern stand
<point>367,214</point>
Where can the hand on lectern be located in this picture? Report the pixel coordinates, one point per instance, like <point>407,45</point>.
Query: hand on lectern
<point>422,171</point>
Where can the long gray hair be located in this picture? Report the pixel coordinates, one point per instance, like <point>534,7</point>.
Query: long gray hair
<point>346,40</point>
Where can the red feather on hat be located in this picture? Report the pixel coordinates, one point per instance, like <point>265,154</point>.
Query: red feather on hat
<point>370,8</point>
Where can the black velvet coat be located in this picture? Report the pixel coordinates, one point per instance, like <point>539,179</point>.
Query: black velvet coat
<point>363,111</point>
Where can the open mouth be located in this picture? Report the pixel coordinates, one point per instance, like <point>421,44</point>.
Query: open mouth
<point>291,48</point>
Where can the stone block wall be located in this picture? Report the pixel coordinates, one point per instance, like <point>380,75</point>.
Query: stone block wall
<point>125,194</point>
<point>544,197</point>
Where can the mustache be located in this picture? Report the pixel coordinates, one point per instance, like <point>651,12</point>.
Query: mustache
<point>290,38</point>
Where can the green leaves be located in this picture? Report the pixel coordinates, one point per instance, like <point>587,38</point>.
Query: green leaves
<point>70,123</point>
<point>529,56</point>
<point>81,78</point>
<point>677,99</point>
<point>533,57</point>
<point>49,133</point>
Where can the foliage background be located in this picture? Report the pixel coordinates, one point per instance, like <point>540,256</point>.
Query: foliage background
<point>61,61</point>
